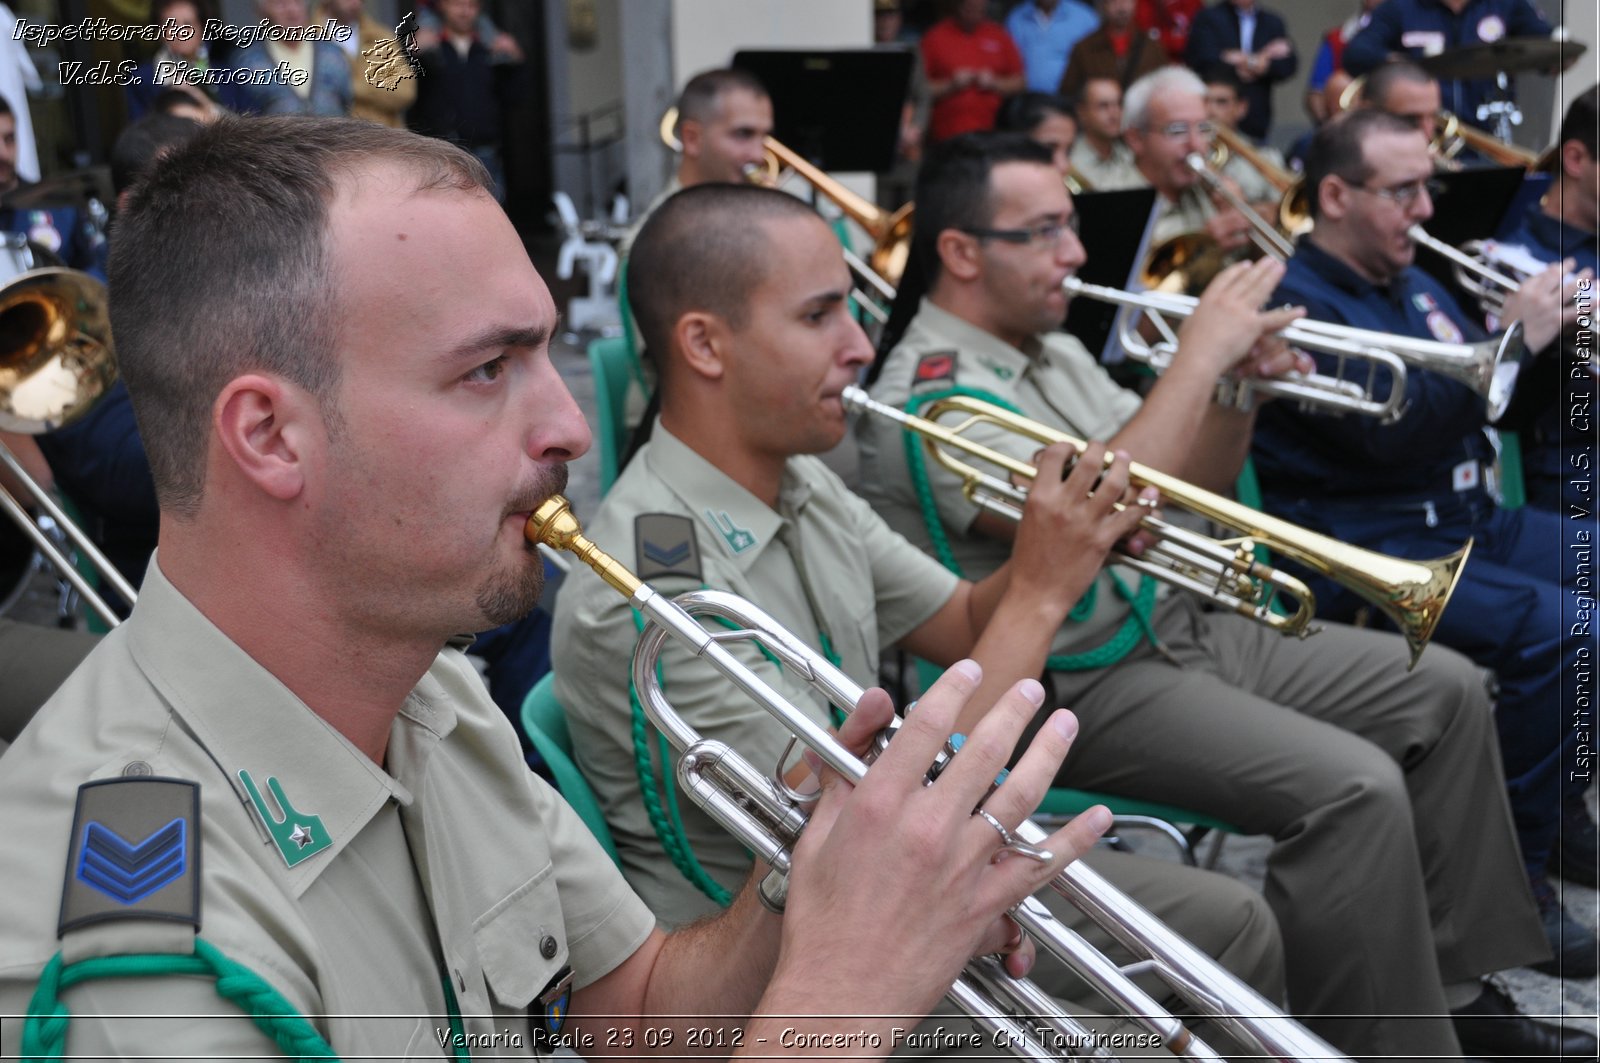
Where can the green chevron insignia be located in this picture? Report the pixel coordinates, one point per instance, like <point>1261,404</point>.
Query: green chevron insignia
<point>297,834</point>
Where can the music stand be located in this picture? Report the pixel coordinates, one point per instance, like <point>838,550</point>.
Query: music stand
<point>1114,228</point>
<point>839,109</point>
<point>1470,208</point>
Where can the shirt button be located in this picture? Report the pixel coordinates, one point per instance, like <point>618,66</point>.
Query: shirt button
<point>547,947</point>
<point>137,767</point>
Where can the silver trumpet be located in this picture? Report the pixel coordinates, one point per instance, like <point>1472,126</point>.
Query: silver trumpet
<point>1487,270</point>
<point>767,816</point>
<point>1489,367</point>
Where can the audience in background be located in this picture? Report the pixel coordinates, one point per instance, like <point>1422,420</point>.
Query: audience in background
<point>1118,50</point>
<point>1255,42</point>
<point>972,64</point>
<point>1045,32</point>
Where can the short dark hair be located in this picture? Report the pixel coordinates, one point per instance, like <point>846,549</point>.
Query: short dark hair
<point>1381,80</point>
<point>1337,149</point>
<point>1023,112</point>
<point>5,107</point>
<point>139,145</point>
<point>705,249</point>
<point>953,188</point>
<point>1223,74</point>
<point>1583,114</point>
<point>700,98</point>
<point>220,266</point>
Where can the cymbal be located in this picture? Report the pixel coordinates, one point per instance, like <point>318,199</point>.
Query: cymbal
<point>1513,55</point>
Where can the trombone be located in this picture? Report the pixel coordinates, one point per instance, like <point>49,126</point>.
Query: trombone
<point>890,230</point>
<point>767,816</point>
<point>1489,367</point>
<point>1413,594</point>
<point>56,362</point>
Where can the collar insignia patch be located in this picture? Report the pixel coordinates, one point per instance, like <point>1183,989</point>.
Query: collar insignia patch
<point>738,539</point>
<point>298,835</point>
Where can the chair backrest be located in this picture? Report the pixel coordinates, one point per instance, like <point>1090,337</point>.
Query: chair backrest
<point>546,725</point>
<point>609,362</point>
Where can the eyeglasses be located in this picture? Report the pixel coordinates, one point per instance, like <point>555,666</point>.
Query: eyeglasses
<point>1404,195</point>
<point>1047,233</point>
<point>1180,130</point>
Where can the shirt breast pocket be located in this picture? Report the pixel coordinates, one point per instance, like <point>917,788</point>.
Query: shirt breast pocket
<point>522,941</point>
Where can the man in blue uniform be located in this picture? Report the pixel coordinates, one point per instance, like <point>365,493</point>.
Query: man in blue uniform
<point>1559,442</point>
<point>1419,28</point>
<point>1419,488</point>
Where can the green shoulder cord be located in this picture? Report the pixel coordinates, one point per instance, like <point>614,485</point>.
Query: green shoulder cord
<point>653,784</point>
<point>1140,604</point>
<point>44,1033</point>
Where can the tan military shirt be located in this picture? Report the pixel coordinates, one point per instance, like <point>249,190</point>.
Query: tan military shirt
<point>822,564</point>
<point>1107,174</point>
<point>450,861</point>
<point>1189,213</point>
<point>1255,187</point>
<point>1056,381</point>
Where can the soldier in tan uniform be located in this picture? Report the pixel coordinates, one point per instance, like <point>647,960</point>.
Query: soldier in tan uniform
<point>273,814</point>
<point>1395,877</point>
<point>1099,152</point>
<point>726,495</point>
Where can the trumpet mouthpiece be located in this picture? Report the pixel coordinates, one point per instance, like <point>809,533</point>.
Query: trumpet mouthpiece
<point>554,525</point>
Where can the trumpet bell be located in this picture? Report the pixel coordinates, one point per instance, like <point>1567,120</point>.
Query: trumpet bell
<point>56,356</point>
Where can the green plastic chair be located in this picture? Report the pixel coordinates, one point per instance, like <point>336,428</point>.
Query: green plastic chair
<point>546,725</point>
<point>1127,813</point>
<point>609,361</point>
<point>1513,495</point>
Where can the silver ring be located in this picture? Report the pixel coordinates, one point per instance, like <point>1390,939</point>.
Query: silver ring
<point>1006,840</point>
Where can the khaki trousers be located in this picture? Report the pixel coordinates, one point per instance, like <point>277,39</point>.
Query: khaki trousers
<point>1395,868</point>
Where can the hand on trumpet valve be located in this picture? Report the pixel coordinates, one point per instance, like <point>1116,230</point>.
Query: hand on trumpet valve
<point>1228,321</point>
<point>895,879</point>
<point>1272,357</point>
<point>1546,303</point>
<point>1071,520</point>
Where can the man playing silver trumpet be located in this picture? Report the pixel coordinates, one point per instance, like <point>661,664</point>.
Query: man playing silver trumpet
<point>1395,876</point>
<point>1409,487</point>
<point>345,482</point>
<point>746,308</point>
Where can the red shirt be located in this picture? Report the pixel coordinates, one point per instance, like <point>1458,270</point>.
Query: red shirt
<point>1172,19</point>
<point>947,48</point>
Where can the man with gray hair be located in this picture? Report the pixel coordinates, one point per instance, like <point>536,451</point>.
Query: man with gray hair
<point>1163,123</point>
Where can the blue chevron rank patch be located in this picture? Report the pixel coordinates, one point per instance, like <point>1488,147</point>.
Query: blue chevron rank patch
<point>666,546</point>
<point>135,852</point>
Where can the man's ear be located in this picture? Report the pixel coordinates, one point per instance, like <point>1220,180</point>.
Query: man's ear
<point>1573,157</point>
<point>1333,197</point>
<point>958,254</point>
<point>265,427</point>
<point>702,340</point>
<point>690,133</point>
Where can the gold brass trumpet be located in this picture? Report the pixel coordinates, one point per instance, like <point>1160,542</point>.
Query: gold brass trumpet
<point>1413,594</point>
<point>768,816</point>
<point>1490,367</point>
<point>56,361</point>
